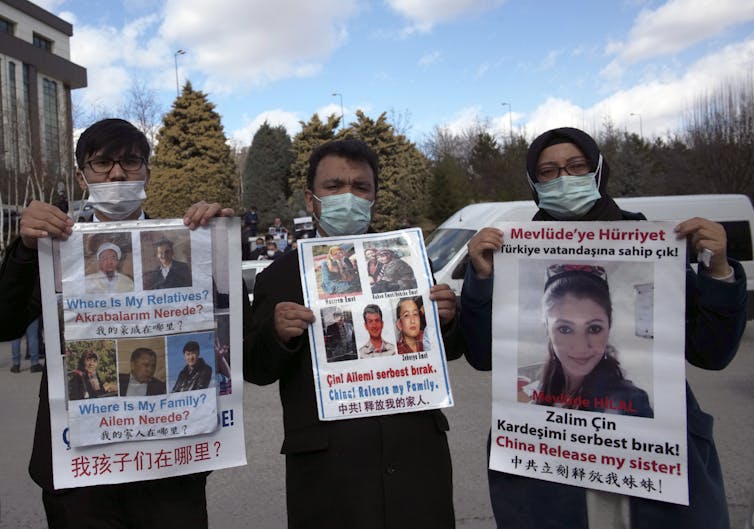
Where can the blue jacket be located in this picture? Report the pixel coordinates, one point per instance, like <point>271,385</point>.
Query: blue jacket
<point>715,322</point>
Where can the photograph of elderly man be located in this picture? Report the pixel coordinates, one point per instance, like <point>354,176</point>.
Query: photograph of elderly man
<point>107,279</point>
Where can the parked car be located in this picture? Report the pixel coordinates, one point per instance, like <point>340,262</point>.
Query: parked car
<point>446,246</point>
<point>249,271</point>
<point>82,210</point>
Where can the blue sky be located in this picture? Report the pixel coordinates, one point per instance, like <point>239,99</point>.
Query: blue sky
<point>436,63</point>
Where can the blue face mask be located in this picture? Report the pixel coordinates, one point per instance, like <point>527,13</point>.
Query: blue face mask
<point>344,214</point>
<point>568,197</point>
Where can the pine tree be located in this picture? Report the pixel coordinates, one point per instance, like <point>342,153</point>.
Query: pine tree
<point>403,173</point>
<point>192,160</point>
<point>266,171</point>
<point>313,133</point>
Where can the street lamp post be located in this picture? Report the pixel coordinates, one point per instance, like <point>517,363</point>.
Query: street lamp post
<point>641,126</point>
<point>510,119</point>
<point>341,108</point>
<point>175,58</point>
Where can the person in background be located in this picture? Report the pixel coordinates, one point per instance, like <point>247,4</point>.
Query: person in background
<point>568,177</point>
<point>32,349</point>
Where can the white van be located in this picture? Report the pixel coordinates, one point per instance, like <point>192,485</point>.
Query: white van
<point>446,246</point>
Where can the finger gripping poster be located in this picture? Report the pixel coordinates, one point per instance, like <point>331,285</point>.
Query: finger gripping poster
<point>376,343</point>
<point>588,356</point>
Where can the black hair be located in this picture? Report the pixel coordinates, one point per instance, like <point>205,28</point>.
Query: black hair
<point>419,302</point>
<point>354,150</point>
<point>142,351</point>
<point>112,137</point>
<point>191,346</point>
<point>372,309</point>
<point>82,359</point>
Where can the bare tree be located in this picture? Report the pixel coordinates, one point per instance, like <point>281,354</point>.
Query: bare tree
<point>143,109</point>
<point>720,135</point>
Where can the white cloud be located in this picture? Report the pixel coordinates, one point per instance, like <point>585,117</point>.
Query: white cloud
<point>464,120</point>
<point>289,120</point>
<point>661,102</point>
<point>675,26</point>
<point>424,14</point>
<point>253,42</point>
<point>429,59</point>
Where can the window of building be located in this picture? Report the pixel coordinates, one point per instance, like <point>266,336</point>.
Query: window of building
<point>42,42</point>
<point>6,26</point>
<point>50,120</point>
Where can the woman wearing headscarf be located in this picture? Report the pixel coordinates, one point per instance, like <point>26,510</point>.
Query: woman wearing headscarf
<point>568,177</point>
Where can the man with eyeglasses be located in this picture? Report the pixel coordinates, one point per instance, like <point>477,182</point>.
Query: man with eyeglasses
<point>112,159</point>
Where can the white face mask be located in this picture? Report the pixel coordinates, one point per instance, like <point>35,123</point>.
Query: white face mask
<point>117,200</point>
<point>344,214</point>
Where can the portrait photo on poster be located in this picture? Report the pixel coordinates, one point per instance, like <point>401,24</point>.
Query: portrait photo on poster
<point>191,361</point>
<point>390,265</point>
<point>91,369</point>
<point>108,263</point>
<point>411,325</point>
<point>340,341</point>
<point>166,258</point>
<point>336,270</point>
<point>375,331</point>
<point>584,342</point>
<point>142,367</point>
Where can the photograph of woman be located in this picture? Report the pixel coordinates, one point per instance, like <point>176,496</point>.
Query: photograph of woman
<point>85,382</point>
<point>339,276</point>
<point>568,178</point>
<point>411,323</point>
<point>581,369</point>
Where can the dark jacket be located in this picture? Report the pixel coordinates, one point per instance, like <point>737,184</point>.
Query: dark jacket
<point>197,378</point>
<point>388,471</point>
<point>715,321</point>
<point>179,276</point>
<point>155,386</point>
<point>80,387</point>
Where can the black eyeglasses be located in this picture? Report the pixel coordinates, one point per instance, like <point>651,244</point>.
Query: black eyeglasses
<point>575,167</point>
<point>129,164</point>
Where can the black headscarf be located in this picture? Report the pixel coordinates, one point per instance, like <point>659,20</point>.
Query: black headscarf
<point>605,208</point>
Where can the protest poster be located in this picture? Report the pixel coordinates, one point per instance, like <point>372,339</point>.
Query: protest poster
<point>143,343</point>
<point>588,381</point>
<point>376,343</point>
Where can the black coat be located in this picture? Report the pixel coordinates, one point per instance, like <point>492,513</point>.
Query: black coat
<point>388,471</point>
<point>155,386</point>
<point>179,276</point>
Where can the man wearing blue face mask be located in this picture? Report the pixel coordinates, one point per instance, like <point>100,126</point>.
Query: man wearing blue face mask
<point>389,471</point>
<point>112,159</point>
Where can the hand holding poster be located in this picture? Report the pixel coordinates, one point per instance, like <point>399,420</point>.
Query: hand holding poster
<point>376,342</point>
<point>588,364</point>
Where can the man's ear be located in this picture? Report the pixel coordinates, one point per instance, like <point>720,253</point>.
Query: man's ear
<point>309,201</point>
<point>80,179</point>
<point>146,180</point>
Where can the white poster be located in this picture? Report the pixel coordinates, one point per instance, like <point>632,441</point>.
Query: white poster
<point>376,343</point>
<point>144,361</point>
<point>588,356</point>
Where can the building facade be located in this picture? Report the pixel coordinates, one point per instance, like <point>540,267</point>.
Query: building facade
<point>36,79</point>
